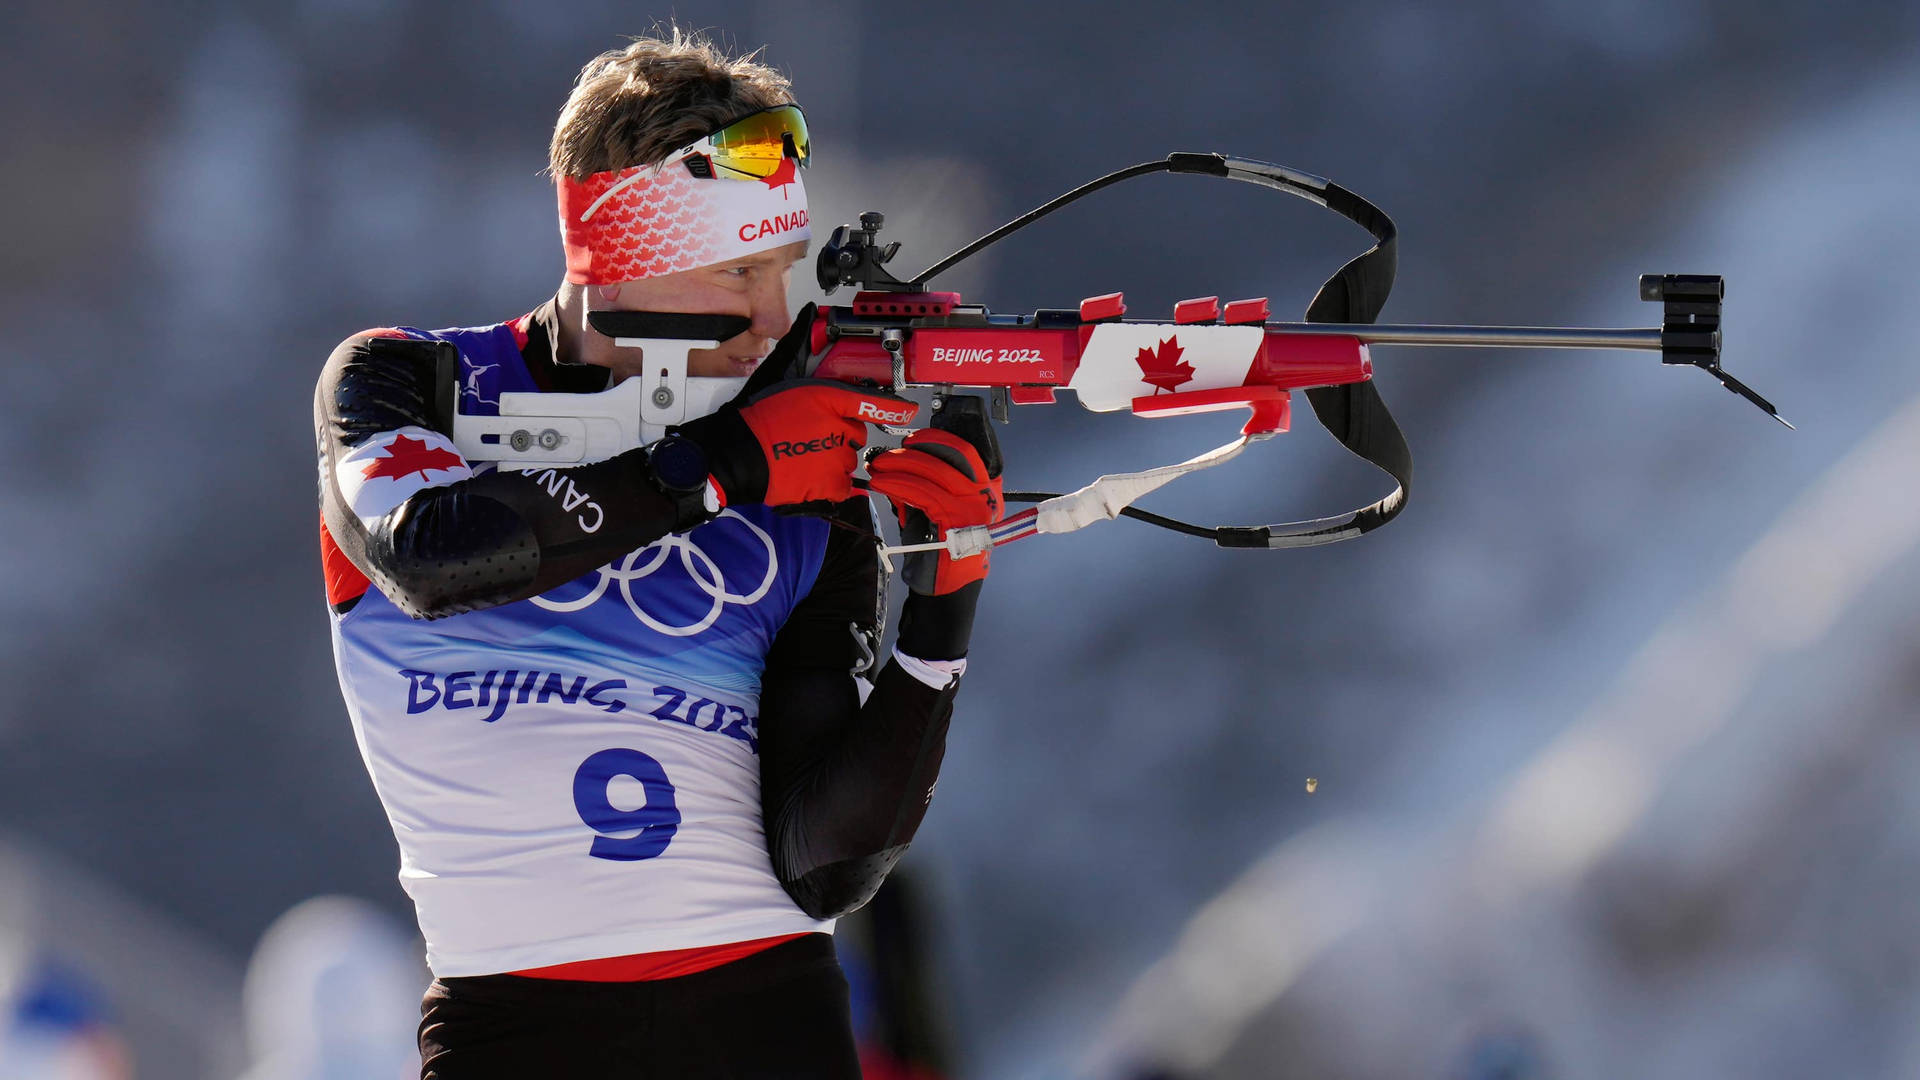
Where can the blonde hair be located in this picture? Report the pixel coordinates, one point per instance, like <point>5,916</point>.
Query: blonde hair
<point>636,105</point>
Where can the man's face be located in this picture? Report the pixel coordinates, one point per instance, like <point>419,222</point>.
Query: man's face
<point>753,285</point>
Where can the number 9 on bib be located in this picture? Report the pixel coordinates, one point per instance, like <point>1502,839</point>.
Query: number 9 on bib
<point>657,821</point>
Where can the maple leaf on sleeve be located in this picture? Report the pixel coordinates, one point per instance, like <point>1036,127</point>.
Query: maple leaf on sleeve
<point>406,456</point>
<point>1162,368</point>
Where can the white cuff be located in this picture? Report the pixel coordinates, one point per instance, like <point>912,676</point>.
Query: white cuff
<point>938,674</point>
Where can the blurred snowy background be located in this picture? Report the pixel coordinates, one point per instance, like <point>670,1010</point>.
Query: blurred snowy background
<point>1613,730</point>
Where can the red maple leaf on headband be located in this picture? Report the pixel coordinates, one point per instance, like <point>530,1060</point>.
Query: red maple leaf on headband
<point>408,456</point>
<point>781,176</point>
<point>1162,367</point>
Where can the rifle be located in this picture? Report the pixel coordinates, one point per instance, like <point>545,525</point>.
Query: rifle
<point>902,334</point>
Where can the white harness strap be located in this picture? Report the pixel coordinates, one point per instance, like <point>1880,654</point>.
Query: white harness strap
<point>1102,500</point>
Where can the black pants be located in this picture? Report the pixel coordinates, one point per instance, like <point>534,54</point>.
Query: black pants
<point>778,1013</point>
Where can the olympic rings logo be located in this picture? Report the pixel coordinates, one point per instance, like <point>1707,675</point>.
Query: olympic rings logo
<point>700,567</point>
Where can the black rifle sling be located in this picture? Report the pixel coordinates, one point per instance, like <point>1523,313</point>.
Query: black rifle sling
<point>1353,413</point>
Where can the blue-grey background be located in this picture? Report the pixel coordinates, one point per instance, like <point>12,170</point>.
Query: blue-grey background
<point>1607,785</point>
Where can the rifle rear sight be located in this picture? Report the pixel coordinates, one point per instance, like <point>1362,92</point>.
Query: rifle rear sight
<point>855,256</point>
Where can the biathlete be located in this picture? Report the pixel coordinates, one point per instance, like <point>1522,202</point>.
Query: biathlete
<point>626,718</point>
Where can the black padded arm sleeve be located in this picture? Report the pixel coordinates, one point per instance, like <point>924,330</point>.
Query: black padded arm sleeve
<point>487,540</point>
<point>844,786</point>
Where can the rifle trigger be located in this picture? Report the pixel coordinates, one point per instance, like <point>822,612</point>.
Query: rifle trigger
<point>892,340</point>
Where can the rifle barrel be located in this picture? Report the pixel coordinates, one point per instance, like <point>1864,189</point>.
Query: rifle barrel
<point>1533,337</point>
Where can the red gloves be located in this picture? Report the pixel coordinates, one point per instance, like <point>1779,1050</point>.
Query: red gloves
<point>937,482</point>
<point>811,433</point>
<point>797,442</point>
